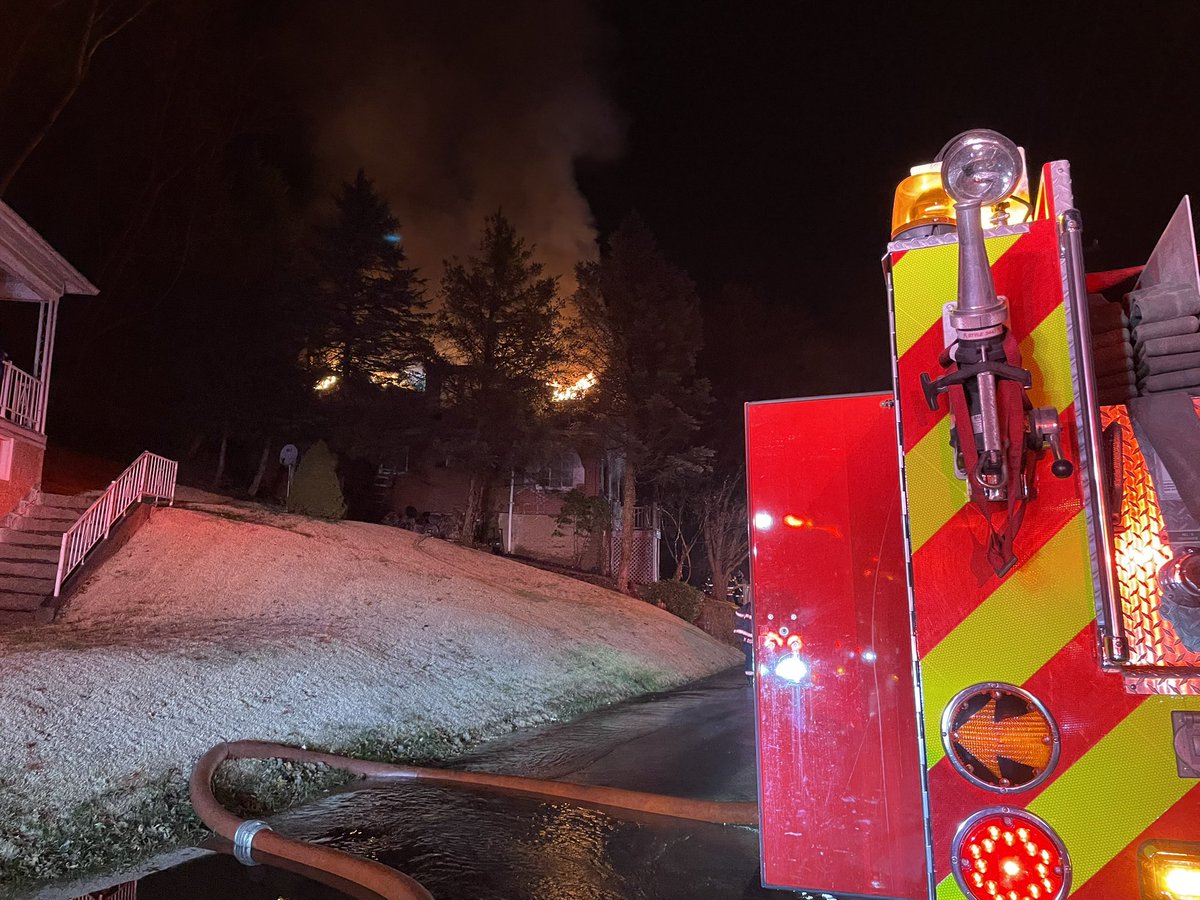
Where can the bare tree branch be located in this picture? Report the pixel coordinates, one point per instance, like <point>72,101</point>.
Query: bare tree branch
<point>726,535</point>
<point>119,27</point>
<point>88,45</point>
<point>12,60</point>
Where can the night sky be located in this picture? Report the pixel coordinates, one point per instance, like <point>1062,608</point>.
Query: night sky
<point>760,141</point>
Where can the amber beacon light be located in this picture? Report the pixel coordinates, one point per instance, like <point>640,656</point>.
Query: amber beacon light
<point>1011,855</point>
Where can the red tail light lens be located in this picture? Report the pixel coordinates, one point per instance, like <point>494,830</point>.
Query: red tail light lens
<point>1005,854</point>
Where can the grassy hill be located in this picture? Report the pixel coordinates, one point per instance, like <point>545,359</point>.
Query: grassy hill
<point>222,621</point>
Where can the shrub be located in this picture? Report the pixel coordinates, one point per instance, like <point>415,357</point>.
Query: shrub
<point>679,598</point>
<point>315,490</point>
<point>582,516</point>
<point>717,619</point>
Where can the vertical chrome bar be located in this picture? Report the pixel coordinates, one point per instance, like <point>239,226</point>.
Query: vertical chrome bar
<point>976,290</point>
<point>1091,443</point>
<point>987,402</point>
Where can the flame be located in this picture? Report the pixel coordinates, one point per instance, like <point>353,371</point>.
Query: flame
<point>559,393</point>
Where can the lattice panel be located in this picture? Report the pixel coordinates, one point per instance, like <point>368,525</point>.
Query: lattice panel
<point>126,891</point>
<point>642,568</point>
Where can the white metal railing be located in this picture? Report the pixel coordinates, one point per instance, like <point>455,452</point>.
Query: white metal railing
<point>21,398</point>
<point>150,476</point>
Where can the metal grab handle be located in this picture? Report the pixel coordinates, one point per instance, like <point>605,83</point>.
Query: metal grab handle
<point>1070,226</point>
<point>1114,469</point>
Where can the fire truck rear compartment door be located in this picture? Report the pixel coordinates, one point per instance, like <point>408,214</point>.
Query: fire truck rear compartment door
<point>840,785</point>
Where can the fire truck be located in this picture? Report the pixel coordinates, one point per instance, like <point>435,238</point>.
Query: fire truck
<point>977,596</point>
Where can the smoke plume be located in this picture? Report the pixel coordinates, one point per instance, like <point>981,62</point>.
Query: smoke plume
<point>458,108</point>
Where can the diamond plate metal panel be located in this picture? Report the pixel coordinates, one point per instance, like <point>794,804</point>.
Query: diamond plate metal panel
<point>1141,549</point>
<point>1153,684</point>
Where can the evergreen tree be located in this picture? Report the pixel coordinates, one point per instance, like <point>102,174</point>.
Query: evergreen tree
<point>500,328</point>
<point>366,316</point>
<point>639,317</point>
<point>236,373</point>
<point>316,491</point>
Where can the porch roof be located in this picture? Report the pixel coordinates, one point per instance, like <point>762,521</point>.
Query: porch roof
<point>30,269</point>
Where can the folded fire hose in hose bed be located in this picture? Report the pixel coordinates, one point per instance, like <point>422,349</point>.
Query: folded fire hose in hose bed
<point>252,836</point>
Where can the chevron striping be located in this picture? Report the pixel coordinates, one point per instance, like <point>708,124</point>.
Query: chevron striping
<point>1119,876</point>
<point>1048,342</point>
<point>952,558</point>
<point>1103,780</point>
<point>1131,773</point>
<point>929,280</point>
<point>1069,681</point>
<point>1015,613</point>
<point>929,473</point>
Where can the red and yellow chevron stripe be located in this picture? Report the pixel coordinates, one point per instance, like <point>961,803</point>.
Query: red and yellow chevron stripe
<point>1115,783</point>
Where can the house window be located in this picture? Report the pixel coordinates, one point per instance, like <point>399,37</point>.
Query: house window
<point>395,463</point>
<point>563,472</point>
<point>6,456</point>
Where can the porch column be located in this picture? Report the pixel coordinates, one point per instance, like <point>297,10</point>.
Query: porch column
<point>43,359</point>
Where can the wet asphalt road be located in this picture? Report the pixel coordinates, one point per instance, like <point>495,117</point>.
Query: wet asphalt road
<point>694,742</point>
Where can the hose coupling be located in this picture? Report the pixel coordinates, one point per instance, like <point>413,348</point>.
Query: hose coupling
<point>243,838</point>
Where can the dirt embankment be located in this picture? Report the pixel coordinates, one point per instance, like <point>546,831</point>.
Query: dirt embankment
<point>224,621</point>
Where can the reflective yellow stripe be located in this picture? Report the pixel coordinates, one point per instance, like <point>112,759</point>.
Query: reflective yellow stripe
<point>948,889</point>
<point>929,474</point>
<point>928,279</point>
<point>1118,788</point>
<point>1045,351</point>
<point>1011,634</point>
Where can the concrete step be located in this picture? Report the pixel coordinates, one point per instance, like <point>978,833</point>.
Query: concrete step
<point>21,553</point>
<point>42,524</point>
<point>18,609</point>
<point>70,501</point>
<point>16,601</point>
<point>16,584</point>
<point>29,568</point>
<point>14,619</point>
<point>45,511</point>
<point>31,538</point>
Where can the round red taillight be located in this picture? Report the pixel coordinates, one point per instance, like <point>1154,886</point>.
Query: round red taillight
<point>1009,854</point>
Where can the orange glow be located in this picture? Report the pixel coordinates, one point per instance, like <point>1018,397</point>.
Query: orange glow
<point>793,521</point>
<point>1140,550</point>
<point>921,200</point>
<point>560,392</point>
<point>1171,869</point>
<point>979,742</point>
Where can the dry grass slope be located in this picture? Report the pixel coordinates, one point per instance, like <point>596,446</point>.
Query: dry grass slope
<point>225,621</point>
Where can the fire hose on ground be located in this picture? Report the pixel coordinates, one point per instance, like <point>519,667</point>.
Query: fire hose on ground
<point>255,836</point>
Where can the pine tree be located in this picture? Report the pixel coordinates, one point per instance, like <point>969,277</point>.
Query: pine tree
<point>500,328</point>
<point>639,315</point>
<point>366,316</point>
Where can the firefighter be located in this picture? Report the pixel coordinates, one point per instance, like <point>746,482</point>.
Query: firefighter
<point>744,627</point>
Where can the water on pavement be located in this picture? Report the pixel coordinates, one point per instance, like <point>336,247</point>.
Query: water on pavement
<point>460,843</point>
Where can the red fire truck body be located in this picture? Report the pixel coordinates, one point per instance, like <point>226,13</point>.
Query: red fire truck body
<point>971,593</point>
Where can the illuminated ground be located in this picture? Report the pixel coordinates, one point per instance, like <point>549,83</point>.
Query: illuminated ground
<point>224,621</point>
